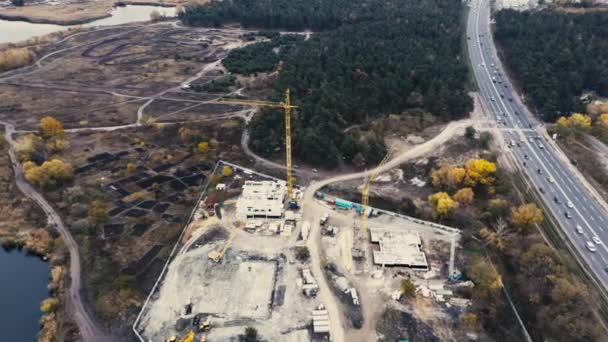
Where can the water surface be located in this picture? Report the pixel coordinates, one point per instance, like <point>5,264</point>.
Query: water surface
<point>23,285</point>
<point>16,31</point>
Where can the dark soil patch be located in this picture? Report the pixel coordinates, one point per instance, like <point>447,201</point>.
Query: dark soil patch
<point>194,180</point>
<point>395,325</point>
<point>144,261</point>
<point>161,207</point>
<point>111,230</point>
<point>135,213</point>
<point>139,229</point>
<point>147,204</point>
<point>159,179</point>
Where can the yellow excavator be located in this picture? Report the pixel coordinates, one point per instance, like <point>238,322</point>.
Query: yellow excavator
<point>216,256</point>
<point>188,338</point>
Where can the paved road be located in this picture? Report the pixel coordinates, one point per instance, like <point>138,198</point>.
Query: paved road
<point>89,331</point>
<point>550,171</point>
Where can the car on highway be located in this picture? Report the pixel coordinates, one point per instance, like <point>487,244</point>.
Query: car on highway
<point>540,172</point>
<point>556,200</point>
<point>590,246</point>
<point>579,229</point>
<point>540,188</point>
<point>596,240</point>
<point>569,204</point>
<point>540,146</point>
<point>551,179</point>
<point>567,214</point>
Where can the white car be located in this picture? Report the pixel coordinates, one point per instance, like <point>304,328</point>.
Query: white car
<point>596,240</point>
<point>579,229</point>
<point>551,179</point>
<point>590,246</point>
<point>570,205</point>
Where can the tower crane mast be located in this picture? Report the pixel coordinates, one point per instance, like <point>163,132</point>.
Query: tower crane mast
<point>365,191</point>
<point>287,107</point>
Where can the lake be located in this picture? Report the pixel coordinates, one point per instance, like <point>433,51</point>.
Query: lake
<point>23,285</point>
<point>16,31</point>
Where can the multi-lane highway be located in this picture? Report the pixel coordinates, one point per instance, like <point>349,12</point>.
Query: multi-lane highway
<point>582,218</point>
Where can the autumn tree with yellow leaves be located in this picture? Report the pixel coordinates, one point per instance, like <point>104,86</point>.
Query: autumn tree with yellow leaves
<point>526,215</point>
<point>495,237</point>
<point>227,171</point>
<point>576,121</point>
<point>464,196</point>
<point>448,176</point>
<point>600,127</point>
<point>27,146</point>
<point>50,127</point>
<point>52,132</point>
<point>50,173</point>
<point>49,305</point>
<point>202,147</point>
<point>487,280</point>
<point>98,212</point>
<point>479,171</point>
<point>442,204</point>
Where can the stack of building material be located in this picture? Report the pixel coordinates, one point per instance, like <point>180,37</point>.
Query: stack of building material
<point>320,320</point>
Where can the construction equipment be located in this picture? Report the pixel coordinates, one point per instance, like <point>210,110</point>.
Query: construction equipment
<point>287,107</point>
<point>188,338</point>
<point>365,191</point>
<point>216,256</point>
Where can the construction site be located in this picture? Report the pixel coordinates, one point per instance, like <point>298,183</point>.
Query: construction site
<point>244,260</point>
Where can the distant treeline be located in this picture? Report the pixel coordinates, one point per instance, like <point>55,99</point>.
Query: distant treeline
<point>555,56</point>
<point>285,14</point>
<point>373,58</point>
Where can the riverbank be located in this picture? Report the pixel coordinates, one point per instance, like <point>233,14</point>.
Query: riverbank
<point>75,13</point>
<point>23,225</point>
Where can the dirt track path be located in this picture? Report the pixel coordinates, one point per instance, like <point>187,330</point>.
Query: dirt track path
<point>89,331</point>
<point>313,211</point>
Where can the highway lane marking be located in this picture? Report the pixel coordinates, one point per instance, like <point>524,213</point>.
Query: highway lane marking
<point>499,99</point>
<point>575,208</point>
<point>502,104</point>
<point>551,207</point>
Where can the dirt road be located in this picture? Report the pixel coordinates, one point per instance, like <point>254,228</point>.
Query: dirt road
<point>313,211</point>
<point>89,331</point>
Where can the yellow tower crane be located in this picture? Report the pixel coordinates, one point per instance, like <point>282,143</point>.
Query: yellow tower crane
<point>287,107</point>
<point>365,191</point>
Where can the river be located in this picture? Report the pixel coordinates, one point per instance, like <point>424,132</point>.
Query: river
<point>16,31</point>
<point>23,285</point>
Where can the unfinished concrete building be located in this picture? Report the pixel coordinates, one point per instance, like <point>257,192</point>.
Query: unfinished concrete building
<point>264,199</point>
<point>398,247</point>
